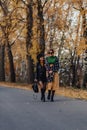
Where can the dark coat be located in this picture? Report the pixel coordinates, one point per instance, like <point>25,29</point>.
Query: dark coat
<point>41,72</point>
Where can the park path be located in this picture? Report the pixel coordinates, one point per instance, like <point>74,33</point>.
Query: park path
<point>20,110</point>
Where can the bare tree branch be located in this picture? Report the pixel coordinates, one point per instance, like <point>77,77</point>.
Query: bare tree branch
<point>76,8</point>
<point>17,36</point>
<point>45,3</point>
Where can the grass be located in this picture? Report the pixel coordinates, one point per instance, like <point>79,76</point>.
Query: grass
<point>68,91</point>
<point>72,92</point>
<point>16,85</point>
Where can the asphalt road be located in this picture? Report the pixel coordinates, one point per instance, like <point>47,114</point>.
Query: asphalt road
<point>20,110</point>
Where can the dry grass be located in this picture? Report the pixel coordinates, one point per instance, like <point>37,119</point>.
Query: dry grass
<point>16,85</point>
<point>68,92</point>
<point>73,93</point>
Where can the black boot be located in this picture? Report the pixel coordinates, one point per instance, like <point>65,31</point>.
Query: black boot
<point>52,96</point>
<point>44,98</point>
<point>43,94</point>
<point>49,93</point>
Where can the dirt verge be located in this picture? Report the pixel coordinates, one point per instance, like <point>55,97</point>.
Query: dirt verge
<point>68,92</point>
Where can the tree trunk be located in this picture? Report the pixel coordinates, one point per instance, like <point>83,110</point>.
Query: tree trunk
<point>73,69</point>
<point>74,75</point>
<point>29,42</point>
<point>78,73</point>
<point>11,64</point>
<point>84,26</point>
<point>30,70</point>
<point>2,69</point>
<point>61,44</point>
<point>85,71</point>
<point>41,26</point>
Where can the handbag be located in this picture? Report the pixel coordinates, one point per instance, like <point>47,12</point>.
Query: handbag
<point>35,87</point>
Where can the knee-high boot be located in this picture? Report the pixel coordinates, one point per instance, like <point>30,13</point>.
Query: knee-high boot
<point>49,93</point>
<point>43,94</point>
<point>52,96</point>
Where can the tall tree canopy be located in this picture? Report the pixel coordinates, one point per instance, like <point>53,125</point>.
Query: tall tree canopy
<point>30,27</point>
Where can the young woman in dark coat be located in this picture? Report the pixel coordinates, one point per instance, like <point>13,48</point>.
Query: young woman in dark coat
<point>41,75</point>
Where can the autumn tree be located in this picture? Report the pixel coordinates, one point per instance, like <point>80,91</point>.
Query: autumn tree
<point>29,40</point>
<point>81,38</point>
<point>4,6</point>
<point>44,24</point>
<point>35,41</point>
<point>10,22</point>
<point>65,34</point>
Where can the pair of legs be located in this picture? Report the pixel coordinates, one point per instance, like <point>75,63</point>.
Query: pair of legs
<point>52,86</point>
<point>43,89</point>
<point>51,92</point>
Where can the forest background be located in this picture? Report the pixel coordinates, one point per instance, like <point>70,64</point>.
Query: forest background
<point>30,27</point>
